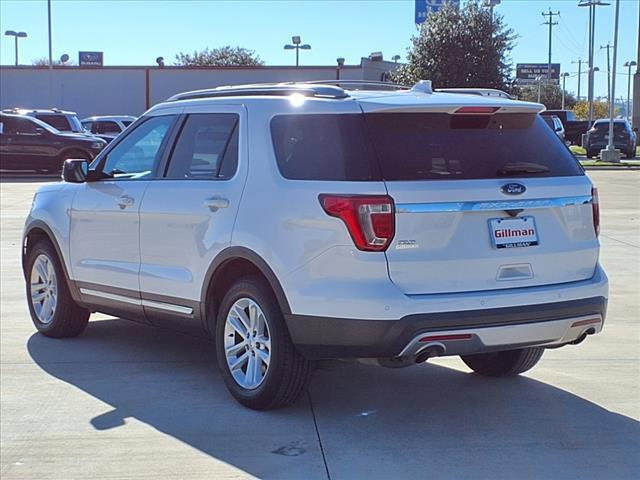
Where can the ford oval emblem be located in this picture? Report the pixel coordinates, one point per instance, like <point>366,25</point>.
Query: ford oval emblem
<point>513,189</point>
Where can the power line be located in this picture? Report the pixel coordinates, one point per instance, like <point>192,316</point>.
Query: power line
<point>551,23</point>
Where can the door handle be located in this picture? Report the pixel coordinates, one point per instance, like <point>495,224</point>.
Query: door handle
<point>216,203</point>
<point>125,201</point>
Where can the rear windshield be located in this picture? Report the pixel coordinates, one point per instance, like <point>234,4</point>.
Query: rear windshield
<point>604,127</point>
<point>418,146</point>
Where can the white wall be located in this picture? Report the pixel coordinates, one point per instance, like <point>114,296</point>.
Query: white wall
<point>123,90</point>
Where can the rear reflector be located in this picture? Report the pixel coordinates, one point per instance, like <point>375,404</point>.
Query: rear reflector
<point>590,321</point>
<point>370,219</point>
<point>481,110</point>
<point>595,209</point>
<point>443,338</point>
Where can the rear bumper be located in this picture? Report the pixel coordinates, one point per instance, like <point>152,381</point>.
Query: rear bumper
<point>483,330</point>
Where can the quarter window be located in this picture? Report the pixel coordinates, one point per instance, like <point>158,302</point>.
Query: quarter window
<point>207,148</point>
<point>137,155</point>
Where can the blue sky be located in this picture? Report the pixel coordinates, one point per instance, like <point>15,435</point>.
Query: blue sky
<point>136,32</point>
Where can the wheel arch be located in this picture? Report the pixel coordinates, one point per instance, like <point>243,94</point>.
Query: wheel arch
<point>230,265</point>
<point>39,230</point>
<point>72,149</point>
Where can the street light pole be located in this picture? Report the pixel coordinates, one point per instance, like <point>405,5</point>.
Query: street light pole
<point>608,46</point>
<point>611,154</point>
<point>564,78</point>
<point>539,79</point>
<point>579,62</point>
<point>49,23</point>
<point>15,35</point>
<point>629,64</point>
<point>296,41</point>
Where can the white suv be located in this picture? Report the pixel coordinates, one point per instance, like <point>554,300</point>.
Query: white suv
<point>296,222</point>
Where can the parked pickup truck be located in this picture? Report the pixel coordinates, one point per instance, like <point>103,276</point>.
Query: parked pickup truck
<point>573,128</point>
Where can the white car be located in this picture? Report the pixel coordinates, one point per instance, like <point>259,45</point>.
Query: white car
<point>107,126</point>
<point>296,222</point>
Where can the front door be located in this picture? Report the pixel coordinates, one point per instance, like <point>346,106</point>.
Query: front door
<point>105,219</point>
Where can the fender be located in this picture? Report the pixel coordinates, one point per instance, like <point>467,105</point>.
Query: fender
<point>75,293</point>
<point>242,252</point>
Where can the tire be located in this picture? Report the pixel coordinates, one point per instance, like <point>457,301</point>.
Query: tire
<point>631,154</point>
<point>503,364</point>
<point>286,376</point>
<point>64,318</point>
<point>589,154</point>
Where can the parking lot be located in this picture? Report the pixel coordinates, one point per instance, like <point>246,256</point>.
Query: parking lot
<point>129,401</point>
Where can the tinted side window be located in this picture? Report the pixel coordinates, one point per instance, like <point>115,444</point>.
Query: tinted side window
<point>323,147</point>
<point>207,148</point>
<point>59,122</point>
<point>107,127</point>
<point>24,126</point>
<point>138,153</point>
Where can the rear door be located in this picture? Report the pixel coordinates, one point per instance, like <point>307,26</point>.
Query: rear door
<point>187,216</point>
<point>483,202</point>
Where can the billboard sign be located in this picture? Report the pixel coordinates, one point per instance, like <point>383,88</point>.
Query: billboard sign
<point>527,73</point>
<point>425,7</point>
<point>90,59</point>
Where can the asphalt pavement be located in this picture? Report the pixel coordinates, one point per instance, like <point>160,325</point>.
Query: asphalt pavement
<point>129,401</point>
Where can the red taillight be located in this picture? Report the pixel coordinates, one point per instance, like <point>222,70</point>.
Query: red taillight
<point>481,110</point>
<point>369,219</point>
<point>595,209</point>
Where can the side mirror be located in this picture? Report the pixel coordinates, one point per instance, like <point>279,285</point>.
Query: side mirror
<point>75,170</point>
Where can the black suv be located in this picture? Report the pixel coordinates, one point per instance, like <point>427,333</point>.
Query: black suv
<point>27,143</point>
<point>624,138</point>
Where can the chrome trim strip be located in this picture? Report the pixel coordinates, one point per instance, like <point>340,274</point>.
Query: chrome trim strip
<point>111,296</point>
<point>168,306</point>
<point>135,301</point>
<point>441,207</point>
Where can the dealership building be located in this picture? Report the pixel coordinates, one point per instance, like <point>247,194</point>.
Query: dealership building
<point>125,90</point>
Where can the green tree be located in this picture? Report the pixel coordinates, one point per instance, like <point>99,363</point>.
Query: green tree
<point>600,109</point>
<point>44,62</point>
<point>550,96</point>
<point>219,57</point>
<point>462,47</point>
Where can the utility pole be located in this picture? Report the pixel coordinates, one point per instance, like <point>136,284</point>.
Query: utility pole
<point>611,154</point>
<point>608,46</point>
<point>551,23</point>
<point>592,4</point>
<point>579,62</point>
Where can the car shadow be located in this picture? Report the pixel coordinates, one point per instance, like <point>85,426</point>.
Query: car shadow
<point>373,422</point>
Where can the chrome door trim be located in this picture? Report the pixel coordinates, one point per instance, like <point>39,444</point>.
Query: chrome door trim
<point>441,207</point>
<point>170,307</point>
<point>111,296</point>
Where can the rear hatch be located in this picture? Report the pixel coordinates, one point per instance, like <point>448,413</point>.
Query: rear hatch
<point>484,200</point>
<point>599,133</point>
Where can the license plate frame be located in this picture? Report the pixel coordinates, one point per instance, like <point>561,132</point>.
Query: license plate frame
<point>513,232</point>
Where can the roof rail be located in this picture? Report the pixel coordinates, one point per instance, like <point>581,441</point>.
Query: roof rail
<point>268,89</point>
<point>350,83</point>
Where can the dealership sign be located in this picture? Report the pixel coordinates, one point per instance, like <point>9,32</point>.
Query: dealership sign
<point>90,59</point>
<point>528,73</point>
<point>425,7</point>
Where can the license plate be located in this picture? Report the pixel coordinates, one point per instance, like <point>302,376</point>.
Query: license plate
<point>513,232</point>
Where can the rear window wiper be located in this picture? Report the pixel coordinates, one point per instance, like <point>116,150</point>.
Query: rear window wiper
<point>522,168</point>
